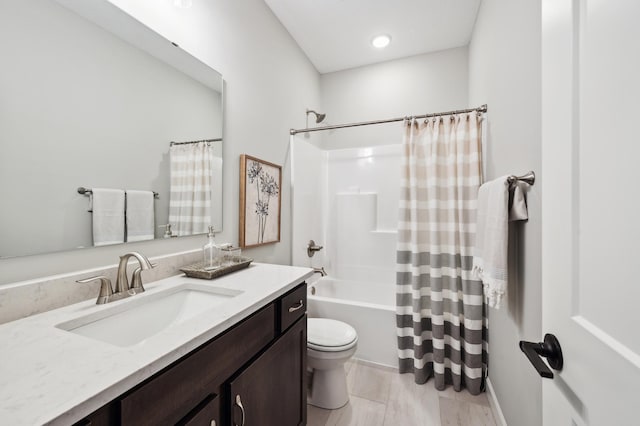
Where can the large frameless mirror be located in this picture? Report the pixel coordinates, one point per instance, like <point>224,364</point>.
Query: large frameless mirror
<point>91,98</point>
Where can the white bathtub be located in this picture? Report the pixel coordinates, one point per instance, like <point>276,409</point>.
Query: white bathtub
<point>367,307</point>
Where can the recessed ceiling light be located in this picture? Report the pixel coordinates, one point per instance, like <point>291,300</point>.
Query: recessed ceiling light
<point>183,4</point>
<point>381,41</point>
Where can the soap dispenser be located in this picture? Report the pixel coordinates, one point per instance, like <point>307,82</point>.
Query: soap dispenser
<point>211,252</point>
<point>167,231</point>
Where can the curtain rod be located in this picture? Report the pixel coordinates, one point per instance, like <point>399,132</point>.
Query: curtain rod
<point>482,108</point>
<point>203,140</point>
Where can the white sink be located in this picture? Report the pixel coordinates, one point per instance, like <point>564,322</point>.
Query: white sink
<point>135,319</point>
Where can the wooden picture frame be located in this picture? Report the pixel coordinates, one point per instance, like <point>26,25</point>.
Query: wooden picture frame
<point>260,202</point>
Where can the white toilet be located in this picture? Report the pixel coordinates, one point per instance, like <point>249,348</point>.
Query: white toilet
<point>330,344</point>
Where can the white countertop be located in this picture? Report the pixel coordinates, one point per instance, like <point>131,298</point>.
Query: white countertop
<point>52,376</point>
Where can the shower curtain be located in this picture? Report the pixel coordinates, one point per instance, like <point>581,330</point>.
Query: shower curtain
<point>190,188</point>
<point>440,314</point>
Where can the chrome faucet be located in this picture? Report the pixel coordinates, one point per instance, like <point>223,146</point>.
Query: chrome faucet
<point>122,282</point>
<point>320,271</point>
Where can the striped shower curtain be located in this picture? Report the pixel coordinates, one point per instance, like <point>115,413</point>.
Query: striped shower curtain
<point>440,314</point>
<point>190,188</point>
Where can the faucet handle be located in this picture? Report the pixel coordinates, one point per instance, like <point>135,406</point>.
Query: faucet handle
<point>312,248</point>
<point>136,280</point>
<point>106,291</point>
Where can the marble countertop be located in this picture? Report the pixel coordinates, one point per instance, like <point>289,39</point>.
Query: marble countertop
<point>52,376</point>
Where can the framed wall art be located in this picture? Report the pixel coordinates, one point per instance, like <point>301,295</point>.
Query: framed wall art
<point>260,201</point>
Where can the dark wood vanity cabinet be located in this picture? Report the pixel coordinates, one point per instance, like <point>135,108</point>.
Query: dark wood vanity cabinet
<point>270,390</point>
<point>252,374</point>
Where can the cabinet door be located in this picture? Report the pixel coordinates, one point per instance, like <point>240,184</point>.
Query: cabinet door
<point>169,396</point>
<point>207,413</point>
<point>271,391</point>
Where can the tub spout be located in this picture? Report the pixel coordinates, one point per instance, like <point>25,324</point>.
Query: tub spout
<point>320,271</point>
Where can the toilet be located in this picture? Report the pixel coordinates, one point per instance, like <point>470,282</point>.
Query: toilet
<point>330,343</point>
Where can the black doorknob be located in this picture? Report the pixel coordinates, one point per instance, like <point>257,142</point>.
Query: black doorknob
<point>550,349</point>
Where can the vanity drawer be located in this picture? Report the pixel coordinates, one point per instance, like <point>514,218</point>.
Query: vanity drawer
<point>171,394</point>
<point>293,305</point>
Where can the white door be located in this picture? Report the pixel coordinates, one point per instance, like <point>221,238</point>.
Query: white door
<point>591,209</point>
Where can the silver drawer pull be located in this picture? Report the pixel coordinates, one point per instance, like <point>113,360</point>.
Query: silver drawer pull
<point>239,404</point>
<point>295,308</point>
<point>213,423</point>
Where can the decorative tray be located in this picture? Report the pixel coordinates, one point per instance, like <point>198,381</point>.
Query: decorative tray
<point>225,267</point>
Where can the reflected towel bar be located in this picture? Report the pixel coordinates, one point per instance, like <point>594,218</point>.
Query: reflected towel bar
<point>87,191</point>
<point>172,143</point>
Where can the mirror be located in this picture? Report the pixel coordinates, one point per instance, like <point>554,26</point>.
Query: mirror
<point>89,97</point>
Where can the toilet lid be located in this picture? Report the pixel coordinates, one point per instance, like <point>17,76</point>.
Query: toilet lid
<point>325,334</point>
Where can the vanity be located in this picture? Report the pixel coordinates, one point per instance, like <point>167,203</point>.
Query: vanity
<point>230,351</point>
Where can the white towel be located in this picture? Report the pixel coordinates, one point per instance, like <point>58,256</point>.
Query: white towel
<point>490,258</point>
<point>518,210</point>
<point>108,216</point>
<point>490,255</point>
<point>140,218</point>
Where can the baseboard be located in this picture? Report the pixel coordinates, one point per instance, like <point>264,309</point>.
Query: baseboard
<point>375,364</point>
<point>495,405</point>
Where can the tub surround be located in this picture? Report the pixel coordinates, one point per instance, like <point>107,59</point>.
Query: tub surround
<point>26,298</point>
<point>49,375</point>
<point>368,307</point>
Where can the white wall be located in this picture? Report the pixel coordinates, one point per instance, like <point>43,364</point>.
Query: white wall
<point>72,115</point>
<point>411,86</point>
<point>504,72</point>
<point>269,83</point>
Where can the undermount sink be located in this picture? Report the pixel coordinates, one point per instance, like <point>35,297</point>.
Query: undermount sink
<point>137,319</point>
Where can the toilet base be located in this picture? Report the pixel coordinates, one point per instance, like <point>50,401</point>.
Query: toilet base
<point>329,389</point>
<point>329,381</point>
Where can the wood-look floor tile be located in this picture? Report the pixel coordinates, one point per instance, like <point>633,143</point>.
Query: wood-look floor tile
<point>382,397</point>
<point>411,404</point>
<point>464,395</point>
<point>448,392</point>
<point>317,416</point>
<point>358,412</point>
<point>348,365</point>
<point>369,382</point>
<point>461,413</point>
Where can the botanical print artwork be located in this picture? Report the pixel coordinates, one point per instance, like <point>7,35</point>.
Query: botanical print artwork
<point>260,202</point>
<point>266,187</point>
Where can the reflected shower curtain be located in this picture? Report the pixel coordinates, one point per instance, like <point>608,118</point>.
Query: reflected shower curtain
<point>440,314</point>
<point>190,188</point>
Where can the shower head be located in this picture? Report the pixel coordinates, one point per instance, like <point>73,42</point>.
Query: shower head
<point>319,117</point>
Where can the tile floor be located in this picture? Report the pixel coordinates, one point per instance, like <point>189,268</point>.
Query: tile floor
<point>381,397</point>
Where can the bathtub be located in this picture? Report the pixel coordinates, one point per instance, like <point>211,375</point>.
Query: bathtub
<point>367,307</point>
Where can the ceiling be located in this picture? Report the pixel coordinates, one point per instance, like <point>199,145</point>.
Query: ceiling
<point>337,34</point>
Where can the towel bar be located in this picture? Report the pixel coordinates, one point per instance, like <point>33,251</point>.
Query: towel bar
<point>87,191</point>
<point>529,178</point>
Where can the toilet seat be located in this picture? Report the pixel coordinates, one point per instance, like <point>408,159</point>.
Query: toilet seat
<point>328,335</point>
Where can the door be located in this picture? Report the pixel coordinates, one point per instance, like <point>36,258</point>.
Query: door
<point>271,391</point>
<point>591,220</point>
